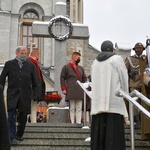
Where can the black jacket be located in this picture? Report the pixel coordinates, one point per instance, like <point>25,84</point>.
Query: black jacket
<point>21,82</point>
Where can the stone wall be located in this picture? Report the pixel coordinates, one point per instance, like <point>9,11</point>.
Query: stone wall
<point>88,53</point>
<point>10,28</point>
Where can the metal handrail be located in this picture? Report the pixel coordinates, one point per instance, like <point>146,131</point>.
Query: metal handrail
<point>133,103</point>
<point>89,94</point>
<point>141,96</point>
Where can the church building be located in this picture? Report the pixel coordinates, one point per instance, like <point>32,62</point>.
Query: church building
<point>16,18</point>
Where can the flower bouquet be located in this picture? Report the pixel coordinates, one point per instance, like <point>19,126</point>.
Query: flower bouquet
<point>52,97</point>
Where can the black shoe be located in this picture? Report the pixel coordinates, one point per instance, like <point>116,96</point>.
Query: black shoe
<point>13,142</point>
<point>137,121</point>
<point>19,138</point>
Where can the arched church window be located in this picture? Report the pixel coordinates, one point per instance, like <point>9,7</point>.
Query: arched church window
<point>30,15</point>
<point>28,18</point>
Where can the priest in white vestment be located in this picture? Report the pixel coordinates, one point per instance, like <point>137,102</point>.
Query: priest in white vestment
<point>108,75</point>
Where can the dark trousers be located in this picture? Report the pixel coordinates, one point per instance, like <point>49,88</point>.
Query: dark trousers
<point>107,132</point>
<point>22,119</point>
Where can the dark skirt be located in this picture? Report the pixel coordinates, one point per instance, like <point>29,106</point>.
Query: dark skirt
<point>107,132</point>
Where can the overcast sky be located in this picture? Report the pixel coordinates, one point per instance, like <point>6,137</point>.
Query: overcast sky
<point>121,21</point>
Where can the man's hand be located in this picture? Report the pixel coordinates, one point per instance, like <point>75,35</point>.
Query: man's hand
<point>64,92</point>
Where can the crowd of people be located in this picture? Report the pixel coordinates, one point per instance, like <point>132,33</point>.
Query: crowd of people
<point>109,73</point>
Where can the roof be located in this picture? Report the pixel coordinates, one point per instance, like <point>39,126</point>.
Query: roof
<point>123,46</point>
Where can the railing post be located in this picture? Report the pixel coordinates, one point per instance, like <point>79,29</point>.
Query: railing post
<point>131,125</point>
<point>84,109</point>
<point>86,92</point>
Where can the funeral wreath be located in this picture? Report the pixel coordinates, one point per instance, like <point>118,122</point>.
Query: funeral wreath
<point>63,19</point>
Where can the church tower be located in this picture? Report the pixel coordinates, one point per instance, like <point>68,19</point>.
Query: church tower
<point>75,10</point>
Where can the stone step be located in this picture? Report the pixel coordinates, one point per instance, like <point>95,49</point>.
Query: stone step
<point>56,130</point>
<point>66,136</point>
<point>64,148</point>
<point>139,143</point>
<point>50,147</point>
<point>61,133</point>
<point>56,135</point>
<point>54,142</point>
<point>60,125</point>
<point>139,148</point>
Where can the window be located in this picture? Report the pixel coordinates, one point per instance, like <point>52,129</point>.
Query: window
<point>28,18</point>
<point>68,7</point>
<point>30,15</point>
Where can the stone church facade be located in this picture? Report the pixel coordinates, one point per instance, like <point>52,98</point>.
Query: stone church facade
<point>16,18</point>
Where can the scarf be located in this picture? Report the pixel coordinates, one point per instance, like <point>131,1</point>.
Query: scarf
<point>75,70</point>
<point>20,62</point>
<point>37,67</point>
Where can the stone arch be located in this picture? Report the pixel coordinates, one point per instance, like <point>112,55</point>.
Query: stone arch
<point>32,7</point>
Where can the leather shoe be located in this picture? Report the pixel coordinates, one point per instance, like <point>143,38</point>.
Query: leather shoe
<point>19,138</point>
<point>13,142</point>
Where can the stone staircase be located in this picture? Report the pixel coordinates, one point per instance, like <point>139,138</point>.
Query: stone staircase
<point>58,136</point>
<point>139,145</point>
<point>66,136</point>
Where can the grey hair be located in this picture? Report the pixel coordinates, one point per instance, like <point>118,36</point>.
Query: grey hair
<point>19,48</point>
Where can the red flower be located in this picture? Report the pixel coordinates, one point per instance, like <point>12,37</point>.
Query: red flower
<point>53,97</point>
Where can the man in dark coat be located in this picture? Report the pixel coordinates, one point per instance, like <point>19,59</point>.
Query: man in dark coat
<point>69,75</point>
<point>34,56</point>
<point>22,80</point>
<point>4,136</point>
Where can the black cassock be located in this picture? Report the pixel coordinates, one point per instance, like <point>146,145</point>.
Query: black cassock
<point>107,132</point>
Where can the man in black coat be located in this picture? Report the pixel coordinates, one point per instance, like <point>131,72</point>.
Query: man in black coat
<point>34,56</point>
<point>22,83</point>
<point>4,136</point>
